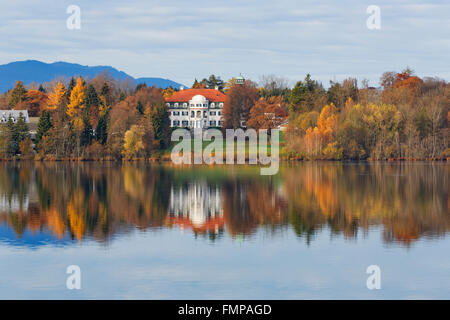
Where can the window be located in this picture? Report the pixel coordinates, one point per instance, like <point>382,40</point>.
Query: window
<point>192,114</point>
<point>212,105</point>
<point>185,105</point>
<point>167,104</point>
<point>219,113</point>
<point>221,105</point>
<point>212,113</point>
<point>204,114</point>
<point>176,105</point>
<point>212,123</point>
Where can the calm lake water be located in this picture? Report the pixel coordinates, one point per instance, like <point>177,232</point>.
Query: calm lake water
<point>146,231</point>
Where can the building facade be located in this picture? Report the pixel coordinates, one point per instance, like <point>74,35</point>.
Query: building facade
<point>14,114</point>
<point>196,108</point>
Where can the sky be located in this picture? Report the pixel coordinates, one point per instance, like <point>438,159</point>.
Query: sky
<point>184,40</point>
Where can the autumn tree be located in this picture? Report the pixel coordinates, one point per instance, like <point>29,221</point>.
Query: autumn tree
<point>56,97</point>
<point>168,92</point>
<point>133,142</point>
<point>123,115</point>
<point>267,113</point>
<point>387,79</point>
<point>34,102</point>
<point>75,109</point>
<point>339,93</point>
<point>319,141</point>
<point>238,103</point>
<point>77,100</point>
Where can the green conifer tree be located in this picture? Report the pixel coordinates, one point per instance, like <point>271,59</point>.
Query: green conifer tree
<point>18,94</point>
<point>44,125</point>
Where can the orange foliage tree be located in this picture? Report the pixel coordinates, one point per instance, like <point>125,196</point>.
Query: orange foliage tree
<point>319,141</point>
<point>267,113</point>
<point>35,102</point>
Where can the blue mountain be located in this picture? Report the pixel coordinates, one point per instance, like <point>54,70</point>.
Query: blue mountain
<point>40,72</point>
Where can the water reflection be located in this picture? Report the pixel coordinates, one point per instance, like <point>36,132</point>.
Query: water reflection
<point>99,201</point>
<point>196,205</point>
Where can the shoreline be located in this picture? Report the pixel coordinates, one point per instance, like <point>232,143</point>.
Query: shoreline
<point>167,160</point>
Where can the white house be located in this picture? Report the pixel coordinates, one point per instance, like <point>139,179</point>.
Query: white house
<point>196,108</point>
<point>14,114</point>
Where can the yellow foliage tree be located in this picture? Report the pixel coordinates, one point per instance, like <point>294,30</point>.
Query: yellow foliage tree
<point>56,96</point>
<point>168,92</point>
<point>133,142</point>
<point>77,99</point>
<point>103,107</point>
<point>319,141</point>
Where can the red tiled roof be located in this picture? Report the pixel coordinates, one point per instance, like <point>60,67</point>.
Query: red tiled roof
<point>208,225</point>
<point>185,95</point>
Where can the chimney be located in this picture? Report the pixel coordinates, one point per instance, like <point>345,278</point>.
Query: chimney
<point>181,88</point>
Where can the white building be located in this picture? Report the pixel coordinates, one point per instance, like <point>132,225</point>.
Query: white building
<point>14,114</point>
<point>196,108</point>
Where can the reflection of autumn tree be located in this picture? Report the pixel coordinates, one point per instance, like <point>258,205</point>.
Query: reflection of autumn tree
<point>248,204</point>
<point>408,200</point>
<point>83,200</point>
<point>15,187</point>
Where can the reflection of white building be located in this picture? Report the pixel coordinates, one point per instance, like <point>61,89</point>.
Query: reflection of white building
<point>198,203</point>
<point>13,203</point>
<point>196,108</point>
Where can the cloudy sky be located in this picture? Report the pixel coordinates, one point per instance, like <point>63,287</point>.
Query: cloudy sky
<point>183,40</point>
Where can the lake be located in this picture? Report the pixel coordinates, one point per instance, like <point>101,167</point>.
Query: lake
<point>142,231</point>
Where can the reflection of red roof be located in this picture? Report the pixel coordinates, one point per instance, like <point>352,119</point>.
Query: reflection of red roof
<point>185,95</point>
<point>209,225</point>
